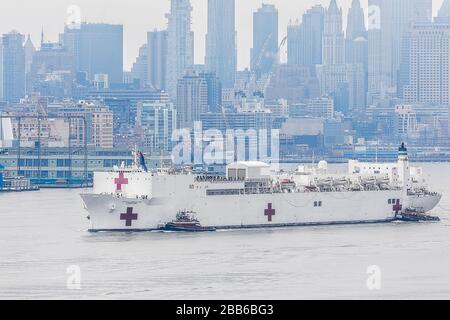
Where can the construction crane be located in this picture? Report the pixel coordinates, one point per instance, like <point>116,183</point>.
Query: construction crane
<point>254,71</point>
<point>272,69</point>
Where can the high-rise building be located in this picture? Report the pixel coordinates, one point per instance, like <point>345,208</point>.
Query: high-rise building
<point>344,82</point>
<point>221,53</point>
<point>429,65</point>
<point>12,67</point>
<point>29,52</point>
<point>356,28</point>
<point>443,13</point>
<point>97,118</point>
<point>388,21</point>
<point>157,59</point>
<point>30,49</point>
<point>320,107</point>
<point>139,71</point>
<point>294,83</point>
<point>357,88</point>
<point>52,71</point>
<point>97,48</point>
<point>356,57</point>
<point>192,99</point>
<point>214,91</point>
<point>246,120</point>
<point>330,77</point>
<point>180,44</point>
<point>264,53</point>
<point>333,36</point>
<point>305,39</point>
<point>158,120</point>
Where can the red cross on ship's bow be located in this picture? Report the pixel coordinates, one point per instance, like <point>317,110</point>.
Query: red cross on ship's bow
<point>120,181</point>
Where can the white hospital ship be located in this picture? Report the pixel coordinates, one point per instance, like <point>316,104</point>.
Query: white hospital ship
<point>251,196</point>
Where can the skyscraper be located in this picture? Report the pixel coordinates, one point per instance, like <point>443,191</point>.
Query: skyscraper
<point>356,28</point>
<point>333,36</point>
<point>214,91</point>
<point>388,21</point>
<point>29,52</point>
<point>345,82</point>
<point>98,49</point>
<point>356,56</point>
<point>192,99</point>
<point>157,59</point>
<point>429,65</point>
<point>264,53</point>
<point>52,71</point>
<point>139,70</point>
<point>158,119</point>
<point>221,53</point>
<point>305,39</point>
<point>12,67</point>
<point>180,44</point>
<point>443,13</point>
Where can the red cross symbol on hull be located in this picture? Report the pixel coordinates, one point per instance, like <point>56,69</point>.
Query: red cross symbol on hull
<point>269,212</point>
<point>397,207</point>
<point>129,217</point>
<point>121,180</point>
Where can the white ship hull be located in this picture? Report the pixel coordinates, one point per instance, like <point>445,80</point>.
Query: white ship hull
<point>249,196</point>
<point>245,211</point>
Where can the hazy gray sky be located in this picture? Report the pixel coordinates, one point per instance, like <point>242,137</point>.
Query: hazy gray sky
<point>140,16</point>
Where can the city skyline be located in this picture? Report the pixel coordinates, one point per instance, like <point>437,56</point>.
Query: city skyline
<point>138,19</point>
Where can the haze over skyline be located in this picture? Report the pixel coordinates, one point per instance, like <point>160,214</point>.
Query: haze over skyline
<point>29,17</point>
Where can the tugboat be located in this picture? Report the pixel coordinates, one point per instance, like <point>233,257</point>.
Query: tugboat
<point>416,215</point>
<point>186,222</point>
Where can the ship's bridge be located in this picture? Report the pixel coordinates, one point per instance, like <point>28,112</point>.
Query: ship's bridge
<point>248,170</point>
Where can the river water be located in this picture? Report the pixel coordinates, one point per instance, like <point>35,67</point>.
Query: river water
<point>46,253</point>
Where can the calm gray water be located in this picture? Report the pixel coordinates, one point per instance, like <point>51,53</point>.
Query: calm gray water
<point>44,233</point>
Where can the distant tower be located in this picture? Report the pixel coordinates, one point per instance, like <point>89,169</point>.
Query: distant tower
<point>305,40</point>
<point>192,99</point>
<point>157,59</point>
<point>333,36</point>
<point>444,13</point>
<point>427,70</point>
<point>97,48</point>
<point>29,52</point>
<point>356,28</point>
<point>180,44</point>
<point>265,39</point>
<point>221,53</point>
<point>12,67</point>
<point>385,34</point>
